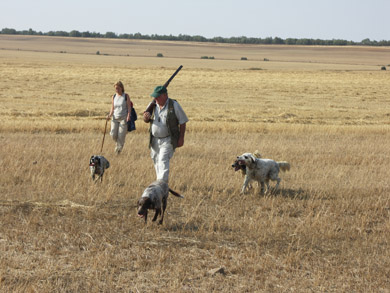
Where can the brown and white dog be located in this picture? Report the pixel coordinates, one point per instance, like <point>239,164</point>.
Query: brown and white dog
<point>261,170</point>
<point>155,197</point>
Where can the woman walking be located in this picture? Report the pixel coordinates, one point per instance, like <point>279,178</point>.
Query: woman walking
<point>120,113</point>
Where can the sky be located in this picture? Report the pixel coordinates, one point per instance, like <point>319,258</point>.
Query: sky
<point>352,20</point>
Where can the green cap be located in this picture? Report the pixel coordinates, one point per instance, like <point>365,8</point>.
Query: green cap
<point>158,91</point>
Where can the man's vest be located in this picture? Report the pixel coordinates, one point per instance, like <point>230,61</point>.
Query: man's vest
<point>172,123</point>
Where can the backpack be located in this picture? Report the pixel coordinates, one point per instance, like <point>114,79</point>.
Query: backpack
<point>133,117</point>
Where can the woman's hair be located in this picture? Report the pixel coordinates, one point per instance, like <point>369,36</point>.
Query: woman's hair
<point>119,83</point>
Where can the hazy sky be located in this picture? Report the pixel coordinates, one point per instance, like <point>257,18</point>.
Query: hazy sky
<point>318,19</point>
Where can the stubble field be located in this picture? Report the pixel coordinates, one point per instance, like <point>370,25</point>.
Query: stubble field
<point>326,230</point>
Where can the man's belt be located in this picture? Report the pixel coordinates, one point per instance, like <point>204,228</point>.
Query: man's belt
<point>161,137</point>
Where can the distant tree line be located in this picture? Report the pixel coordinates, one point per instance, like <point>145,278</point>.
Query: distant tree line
<point>231,40</point>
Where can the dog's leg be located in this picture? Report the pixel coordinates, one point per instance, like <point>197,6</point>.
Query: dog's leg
<point>267,184</point>
<point>277,183</point>
<point>101,175</point>
<point>274,177</point>
<point>158,211</point>
<point>262,187</point>
<point>245,185</point>
<point>163,210</point>
<point>98,178</point>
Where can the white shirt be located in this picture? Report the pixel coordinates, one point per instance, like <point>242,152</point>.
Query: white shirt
<point>159,125</point>
<point>120,106</point>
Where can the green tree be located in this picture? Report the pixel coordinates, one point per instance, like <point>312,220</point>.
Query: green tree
<point>110,35</point>
<point>278,41</point>
<point>86,34</point>
<point>366,42</point>
<point>75,34</point>
<point>8,31</point>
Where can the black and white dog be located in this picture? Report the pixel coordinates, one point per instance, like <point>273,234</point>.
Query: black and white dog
<point>97,166</point>
<point>155,197</point>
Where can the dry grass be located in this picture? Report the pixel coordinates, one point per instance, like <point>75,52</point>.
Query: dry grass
<point>326,229</point>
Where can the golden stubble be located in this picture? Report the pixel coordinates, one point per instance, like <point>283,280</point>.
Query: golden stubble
<point>326,229</point>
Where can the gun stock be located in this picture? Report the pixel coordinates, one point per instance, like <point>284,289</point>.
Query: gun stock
<point>153,103</point>
<point>151,107</point>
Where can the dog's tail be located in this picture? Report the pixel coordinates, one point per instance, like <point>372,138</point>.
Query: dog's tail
<point>284,166</point>
<point>175,193</point>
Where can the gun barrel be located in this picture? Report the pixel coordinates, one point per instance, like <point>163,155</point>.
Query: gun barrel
<point>153,103</point>
<point>173,76</point>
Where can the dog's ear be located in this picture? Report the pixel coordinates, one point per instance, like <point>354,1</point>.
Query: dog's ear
<point>143,201</point>
<point>253,158</point>
<point>148,203</point>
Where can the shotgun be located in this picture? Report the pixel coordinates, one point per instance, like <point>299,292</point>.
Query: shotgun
<point>153,103</point>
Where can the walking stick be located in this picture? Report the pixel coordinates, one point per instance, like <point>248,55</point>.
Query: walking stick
<point>104,135</point>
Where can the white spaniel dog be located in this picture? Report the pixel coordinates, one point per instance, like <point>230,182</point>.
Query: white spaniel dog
<point>261,170</point>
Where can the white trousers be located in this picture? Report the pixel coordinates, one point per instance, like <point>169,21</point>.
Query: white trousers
<point>161,153</point>
<point>118,132</point>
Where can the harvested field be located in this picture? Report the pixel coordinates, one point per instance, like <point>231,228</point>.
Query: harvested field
<point>324,110</point>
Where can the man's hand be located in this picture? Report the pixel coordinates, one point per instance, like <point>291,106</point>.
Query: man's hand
<point>147,117</point>
<point>180,142</point>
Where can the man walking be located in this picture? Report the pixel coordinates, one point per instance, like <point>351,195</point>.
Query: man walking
<point>167,129</point>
